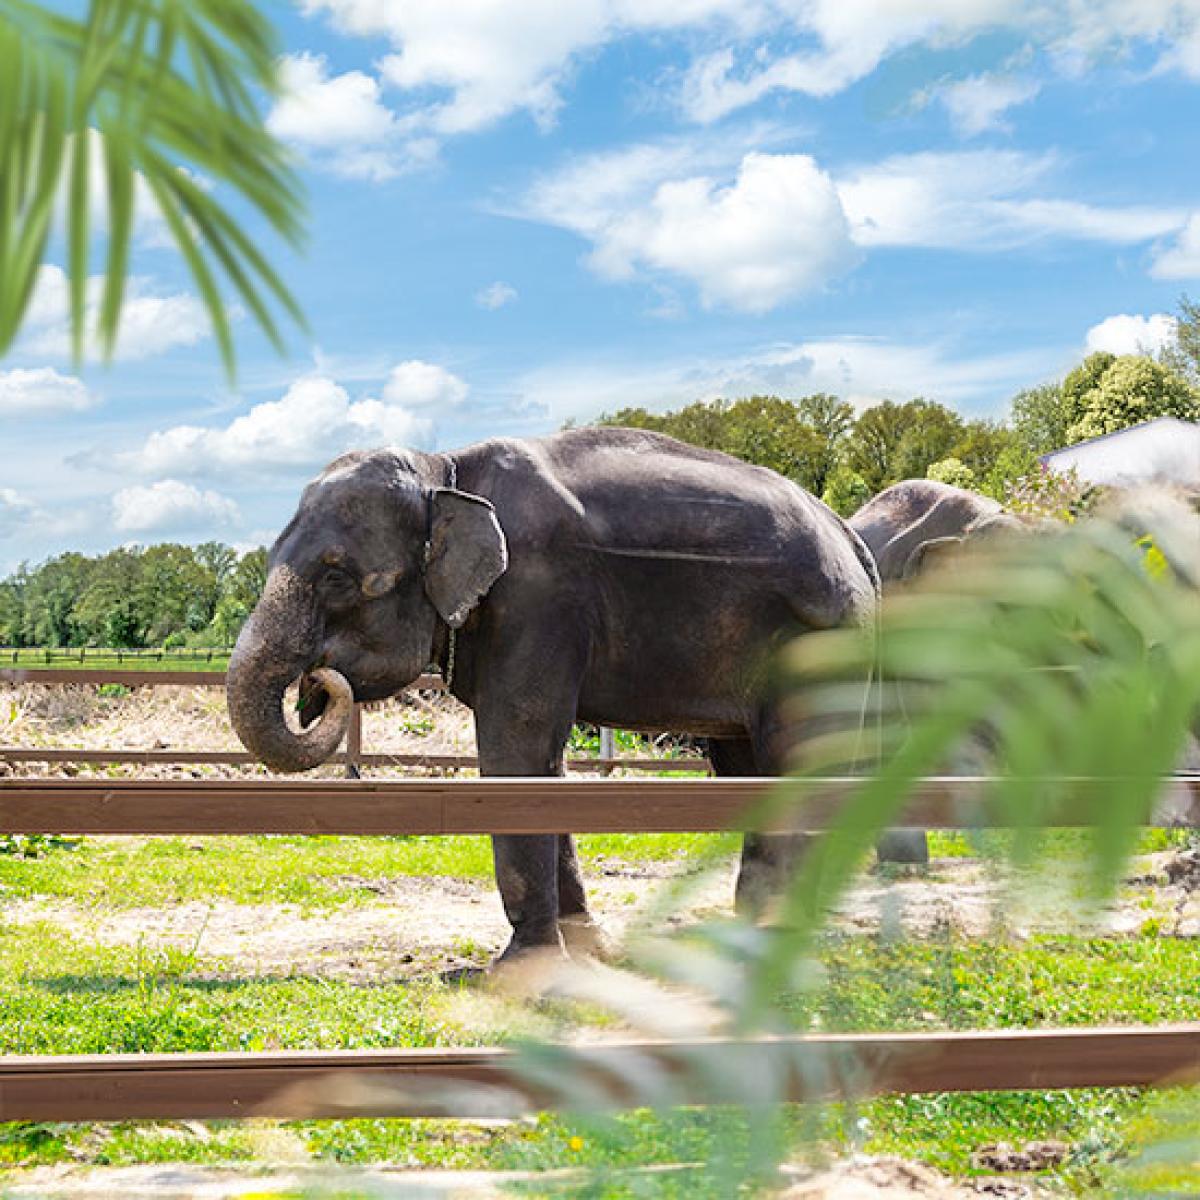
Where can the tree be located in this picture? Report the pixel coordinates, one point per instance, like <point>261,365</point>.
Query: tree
<point>894,441</point>
<point>831,420</point>
<point>953,471</point>
<point>109,610</point>
<point>874,442</point>
<point>12,608</point>
<point>160,95</point>
<point>1040,418</point>
<point>1131,389</point>
<point>1183,355</point>
<point>801,439</point>
<point>846,492</point>
<point>50,599</point>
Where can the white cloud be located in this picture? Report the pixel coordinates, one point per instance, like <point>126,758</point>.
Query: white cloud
<point>1181,260</point>
<point>170,506</point>
<point>16,513</point>
<point>342,119</point>
<point>418,384</point>
<point>151,322</point>
<point>972,200</point>
<point>773,231</point>
<point>778,230</point>
<point>42,390</point>
<point>978,103</point>
<point>469,64</point>
<point>854,36</point>
<point>863,370</point>
<point>313,421</point>
<point>496,295</point>
<point>1126,333</point>
<point>753,231</point>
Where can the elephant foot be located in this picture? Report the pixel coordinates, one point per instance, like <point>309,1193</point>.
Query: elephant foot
<point>904,846</point>
<point>528,971</point>
<point>584,937</point>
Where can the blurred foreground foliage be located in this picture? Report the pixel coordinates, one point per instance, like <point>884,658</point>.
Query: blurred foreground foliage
<point>1066,662</point>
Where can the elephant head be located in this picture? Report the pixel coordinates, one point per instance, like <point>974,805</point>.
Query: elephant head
<point>928,554</point>
<point>378,554</point>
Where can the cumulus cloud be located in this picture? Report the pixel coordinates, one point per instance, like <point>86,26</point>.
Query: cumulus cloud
<point>151,322</point>
<point>1181,259</point>
<point>341,119</point>
<point>418,384</point>
<point>1126,333</point>
<point>773,231</point>
<point>170,506</point>
<point>753,231</point>
<point>16,512</point>
<point>496,295</point>
<point>974,200</point>
<point>978,104</point>
<point>466,66</point>
<point>313,421</point>
<point>42,390</point>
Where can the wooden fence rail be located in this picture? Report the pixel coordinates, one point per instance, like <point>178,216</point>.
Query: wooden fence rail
<point>353,757</point>
<point>484,1082</point>
<point>473,1082</point>
<point>496,805</point>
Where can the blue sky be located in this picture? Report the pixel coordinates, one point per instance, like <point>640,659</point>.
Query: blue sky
<point>524,213</point>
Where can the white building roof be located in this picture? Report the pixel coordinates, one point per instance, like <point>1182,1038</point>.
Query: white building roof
<point>1165,450</point>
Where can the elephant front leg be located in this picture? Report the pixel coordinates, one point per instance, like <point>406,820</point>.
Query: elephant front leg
<point>527,876</point>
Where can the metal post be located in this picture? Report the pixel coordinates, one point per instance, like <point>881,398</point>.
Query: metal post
<point>354,744</point>
<point>608,745</point>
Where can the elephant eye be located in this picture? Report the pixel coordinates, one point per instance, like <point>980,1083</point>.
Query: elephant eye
<point>337,583</point>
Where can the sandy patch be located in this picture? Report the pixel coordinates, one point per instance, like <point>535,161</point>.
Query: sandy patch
<point>405,927</point>
<point>409,927</point>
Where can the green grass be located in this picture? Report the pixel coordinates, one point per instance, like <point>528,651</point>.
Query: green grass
<point>316,872</point>
<point>60,994</point>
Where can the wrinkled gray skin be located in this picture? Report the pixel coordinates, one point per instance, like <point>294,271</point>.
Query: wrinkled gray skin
<point>908,527</point>
<point>605,575</point>
<point>911,523</point>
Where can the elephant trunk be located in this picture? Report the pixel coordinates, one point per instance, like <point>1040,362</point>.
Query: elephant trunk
<point>278,644</point>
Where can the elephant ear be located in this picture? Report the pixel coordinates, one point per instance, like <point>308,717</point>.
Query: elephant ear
<point>929,553</point>
<point>466,554</point>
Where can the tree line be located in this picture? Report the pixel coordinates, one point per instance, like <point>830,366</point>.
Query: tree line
<point>199,596</point>
<point>164,595</point>
<point>846,457</point>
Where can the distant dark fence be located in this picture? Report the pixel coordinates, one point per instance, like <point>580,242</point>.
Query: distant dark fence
<point>17,655</point>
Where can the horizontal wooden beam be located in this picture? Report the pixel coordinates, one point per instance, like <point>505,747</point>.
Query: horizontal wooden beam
<point>162,678</point>
<point>476,1082</point>
<point>492,805</point>
<point>41,754</point>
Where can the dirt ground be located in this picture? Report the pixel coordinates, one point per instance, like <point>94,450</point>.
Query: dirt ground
<point>859,1179</point>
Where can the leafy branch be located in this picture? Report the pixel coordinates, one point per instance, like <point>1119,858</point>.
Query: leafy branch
<point>162,92</point>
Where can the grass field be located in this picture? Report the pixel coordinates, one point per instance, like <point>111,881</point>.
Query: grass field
<point>62,992</point>
<point>131,944</point>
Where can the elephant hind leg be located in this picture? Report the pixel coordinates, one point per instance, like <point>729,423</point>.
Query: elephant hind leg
<point>581,933</point>
<point>767,859</point>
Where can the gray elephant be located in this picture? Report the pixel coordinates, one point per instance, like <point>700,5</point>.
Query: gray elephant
<point>606,575</point>
<point>910,523</point>
<point>907,527</point>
